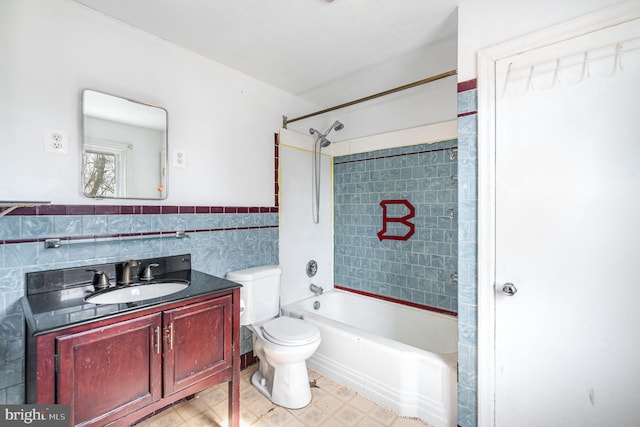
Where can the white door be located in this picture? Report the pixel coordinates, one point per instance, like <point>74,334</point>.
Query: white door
<point>567,233</point>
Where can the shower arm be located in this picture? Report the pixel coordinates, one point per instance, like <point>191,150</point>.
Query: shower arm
<point>322,135</point>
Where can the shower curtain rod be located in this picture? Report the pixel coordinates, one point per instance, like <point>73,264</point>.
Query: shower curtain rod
<point>286,121</point>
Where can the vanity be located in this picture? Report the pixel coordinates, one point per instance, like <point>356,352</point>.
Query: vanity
<point>117,363</point>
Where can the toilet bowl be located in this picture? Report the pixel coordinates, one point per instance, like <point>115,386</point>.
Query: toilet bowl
<point>281,343</point>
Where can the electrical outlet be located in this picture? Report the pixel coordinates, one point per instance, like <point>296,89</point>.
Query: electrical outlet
<point>179,158</point>
<point>56,141</point>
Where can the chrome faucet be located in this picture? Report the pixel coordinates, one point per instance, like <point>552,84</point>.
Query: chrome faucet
<point>125,279</point>
<point>317,290</point>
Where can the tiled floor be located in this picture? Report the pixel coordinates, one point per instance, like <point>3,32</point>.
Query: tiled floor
<point>333,405</point>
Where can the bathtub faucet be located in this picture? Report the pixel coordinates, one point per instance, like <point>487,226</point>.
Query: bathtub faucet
<point>317,290</point>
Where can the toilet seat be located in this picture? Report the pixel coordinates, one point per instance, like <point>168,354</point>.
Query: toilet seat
<point>289,331</point>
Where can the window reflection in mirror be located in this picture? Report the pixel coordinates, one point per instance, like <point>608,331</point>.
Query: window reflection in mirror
<point>124,150</point>
<point>100,174</point>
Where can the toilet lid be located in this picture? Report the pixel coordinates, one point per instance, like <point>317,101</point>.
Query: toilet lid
<point>290,331</point>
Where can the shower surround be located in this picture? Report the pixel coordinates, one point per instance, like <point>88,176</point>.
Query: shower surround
<point>421,269</point>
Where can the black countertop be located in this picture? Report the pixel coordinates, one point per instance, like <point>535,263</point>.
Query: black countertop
<point>50,311</point>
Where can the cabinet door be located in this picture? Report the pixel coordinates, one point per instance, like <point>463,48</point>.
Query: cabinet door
<point>197,342</point>
<point>107,372</point>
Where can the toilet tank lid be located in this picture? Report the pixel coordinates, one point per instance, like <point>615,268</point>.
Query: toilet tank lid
<point>254,273</point>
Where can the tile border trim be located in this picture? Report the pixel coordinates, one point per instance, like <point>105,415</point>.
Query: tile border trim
<point>398,301</point>
<point>135,210</point>
<point>344,162</point>
<point>468,113</point>
<point>467,85</point>
<point>248,359</point>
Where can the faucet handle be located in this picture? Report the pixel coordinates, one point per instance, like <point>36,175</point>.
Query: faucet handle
<point>100,279</point>
<point>147,275</point>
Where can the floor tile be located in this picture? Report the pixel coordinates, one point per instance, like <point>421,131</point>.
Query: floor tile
<point>332,405</point>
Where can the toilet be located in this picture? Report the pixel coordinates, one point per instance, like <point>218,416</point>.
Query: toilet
<point>283,344</point>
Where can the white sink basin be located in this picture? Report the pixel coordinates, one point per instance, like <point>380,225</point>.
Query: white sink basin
<point>137,292</point>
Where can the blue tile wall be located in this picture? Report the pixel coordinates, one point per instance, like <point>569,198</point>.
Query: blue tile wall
<point>239,240</point>
<point>421,269</point>
<point>467,258</point>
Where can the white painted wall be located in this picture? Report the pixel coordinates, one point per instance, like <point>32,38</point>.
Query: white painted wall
<point>301,240</point>
<point>486,23</point>
<point>443,131</point>
<point>50,51</point>
<point>427,104</point>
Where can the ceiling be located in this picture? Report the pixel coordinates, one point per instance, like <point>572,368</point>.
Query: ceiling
<point>295,45</point>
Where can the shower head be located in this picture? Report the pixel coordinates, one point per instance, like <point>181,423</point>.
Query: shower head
<point>324,142</point>
<point>336,125</point>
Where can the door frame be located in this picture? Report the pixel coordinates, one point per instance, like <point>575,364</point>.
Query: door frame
<point>487,59</point>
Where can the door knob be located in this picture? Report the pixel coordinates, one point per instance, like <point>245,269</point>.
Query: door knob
<point>509,289</point>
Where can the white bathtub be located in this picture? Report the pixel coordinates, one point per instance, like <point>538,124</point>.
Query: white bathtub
<point>401,357</point>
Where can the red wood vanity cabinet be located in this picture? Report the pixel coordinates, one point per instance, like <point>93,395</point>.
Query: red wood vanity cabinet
<point>115,371</point>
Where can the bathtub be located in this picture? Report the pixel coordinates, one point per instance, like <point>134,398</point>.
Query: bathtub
<point>401,357</point>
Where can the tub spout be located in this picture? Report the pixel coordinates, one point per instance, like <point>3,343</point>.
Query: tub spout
<point>317,290</point>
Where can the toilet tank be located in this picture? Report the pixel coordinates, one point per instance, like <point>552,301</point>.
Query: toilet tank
<point>260,292</point>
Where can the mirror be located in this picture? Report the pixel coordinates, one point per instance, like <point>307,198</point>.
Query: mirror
<point>124,148</point>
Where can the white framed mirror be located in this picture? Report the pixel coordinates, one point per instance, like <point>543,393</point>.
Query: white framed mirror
<point>124,148</point>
